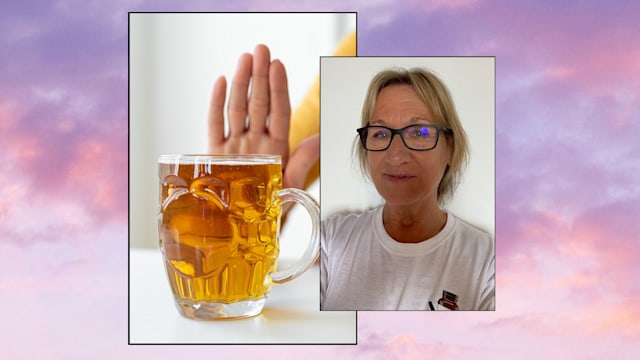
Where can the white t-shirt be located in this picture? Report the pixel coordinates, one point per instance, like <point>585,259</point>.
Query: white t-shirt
<point>363,268</point>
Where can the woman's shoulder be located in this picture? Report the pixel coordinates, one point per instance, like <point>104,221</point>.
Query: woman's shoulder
<point>471,232</point>
<point>350,218</point>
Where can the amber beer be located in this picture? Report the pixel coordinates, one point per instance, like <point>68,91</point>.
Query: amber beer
<point>218,226</point>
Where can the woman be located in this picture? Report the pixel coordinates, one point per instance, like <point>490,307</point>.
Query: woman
<point>408,254</point>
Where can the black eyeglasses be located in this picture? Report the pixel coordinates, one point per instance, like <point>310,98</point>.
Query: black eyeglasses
<point>419,137</point>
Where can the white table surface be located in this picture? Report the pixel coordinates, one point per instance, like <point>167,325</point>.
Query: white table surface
<point>291,314</point>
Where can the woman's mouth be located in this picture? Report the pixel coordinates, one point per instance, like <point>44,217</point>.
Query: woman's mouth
<point>398,178</point>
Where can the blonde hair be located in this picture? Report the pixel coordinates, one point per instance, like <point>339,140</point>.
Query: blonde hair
<point>436,97</point>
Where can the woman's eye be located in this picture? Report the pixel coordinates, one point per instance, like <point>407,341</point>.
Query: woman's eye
<point>419,132</point>
<point>379,134</point>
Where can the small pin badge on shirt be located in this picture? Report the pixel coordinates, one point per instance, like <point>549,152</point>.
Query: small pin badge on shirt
<point>448,301</point>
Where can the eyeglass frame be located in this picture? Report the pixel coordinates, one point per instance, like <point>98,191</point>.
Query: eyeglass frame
<point>363,131</point>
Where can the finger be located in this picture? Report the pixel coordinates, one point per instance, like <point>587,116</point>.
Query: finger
<point>301,161</point>
<point>216,113</point>
<point>280,108</point>
<point>237,108</point>
<point>259,100</point>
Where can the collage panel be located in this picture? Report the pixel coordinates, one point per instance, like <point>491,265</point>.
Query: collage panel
<point>210,253</point>
<point>408,221</point>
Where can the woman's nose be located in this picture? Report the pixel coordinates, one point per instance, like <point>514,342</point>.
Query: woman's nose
<point>397,153</point>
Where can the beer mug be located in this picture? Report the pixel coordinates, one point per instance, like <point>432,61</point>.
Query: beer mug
<point>218,225</point>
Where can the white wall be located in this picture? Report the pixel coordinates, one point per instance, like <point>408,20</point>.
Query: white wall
<point>343,84</point>
<point>174,60</point>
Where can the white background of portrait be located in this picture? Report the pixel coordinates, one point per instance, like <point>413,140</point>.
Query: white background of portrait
<point>343,84</point>
<point>174,61</point>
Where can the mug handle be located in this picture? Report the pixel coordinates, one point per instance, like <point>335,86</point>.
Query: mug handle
<point>313,249</point>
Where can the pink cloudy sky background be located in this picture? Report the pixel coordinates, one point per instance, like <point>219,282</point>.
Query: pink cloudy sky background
<point>567,179</point>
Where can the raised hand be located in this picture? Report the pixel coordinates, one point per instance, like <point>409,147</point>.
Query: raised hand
<point>259,120</point>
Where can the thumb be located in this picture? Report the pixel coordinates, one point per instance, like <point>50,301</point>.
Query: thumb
<point>301,161</point>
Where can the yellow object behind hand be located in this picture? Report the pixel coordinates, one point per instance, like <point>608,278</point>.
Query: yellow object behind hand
<point>305,120</point>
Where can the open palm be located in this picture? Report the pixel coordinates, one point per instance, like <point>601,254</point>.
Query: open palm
<point>259,121</point>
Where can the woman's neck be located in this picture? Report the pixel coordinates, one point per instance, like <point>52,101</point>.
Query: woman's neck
<point>413,224</point>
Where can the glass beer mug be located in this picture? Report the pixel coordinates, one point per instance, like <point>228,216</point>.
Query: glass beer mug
<point>218,225</point>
